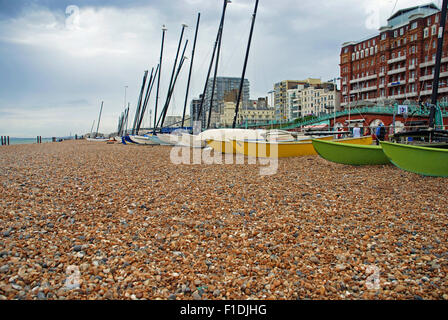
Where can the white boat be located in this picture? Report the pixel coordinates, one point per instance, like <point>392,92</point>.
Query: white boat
<point>169,139</point>
<point>118,139</point>
<point>97,139</point>
<point>193,141</point>
<point>145,140</point>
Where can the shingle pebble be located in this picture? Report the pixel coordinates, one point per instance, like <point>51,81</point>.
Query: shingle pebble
<point>125,223</point>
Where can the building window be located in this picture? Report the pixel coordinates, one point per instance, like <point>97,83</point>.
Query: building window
<point>437,18</point>
<point>433,30</point>
<point>401,31</point>
<point>429,21</point>
<point>414,25</point>
<point>425,33</point>
<point>395,33</point>
<point>353,56</point>
<point>383,36</point>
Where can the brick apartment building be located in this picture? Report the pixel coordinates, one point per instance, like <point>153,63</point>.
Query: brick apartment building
<point>398,63</point>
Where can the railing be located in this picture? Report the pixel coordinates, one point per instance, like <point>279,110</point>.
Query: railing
<point>415,110</point>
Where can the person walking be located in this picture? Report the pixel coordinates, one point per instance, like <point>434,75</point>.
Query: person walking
<point>380,133</point>
<point>356,131</point>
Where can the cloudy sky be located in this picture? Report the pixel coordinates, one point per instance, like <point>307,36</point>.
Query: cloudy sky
<point>60,58</point>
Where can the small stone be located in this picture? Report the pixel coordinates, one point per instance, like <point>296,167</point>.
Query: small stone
<point>4,269</point>
<point>400,288</point>
<point>172,297</point>
<point>315,260</point>
<point>341,267</point>
<point>196,295</point>
<point>41,295</point>
<point>216,293</point>
<point>77,248</point>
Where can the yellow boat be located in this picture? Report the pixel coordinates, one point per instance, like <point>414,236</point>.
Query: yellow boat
<point>230,146</point>
<point>222,146</point>
<point>287,149</point>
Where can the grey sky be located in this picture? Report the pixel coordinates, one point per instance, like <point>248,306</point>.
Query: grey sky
<point>55,68</point>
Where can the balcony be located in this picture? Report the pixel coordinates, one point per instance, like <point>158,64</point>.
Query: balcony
<point>373,76</point>
<point>381,86</point>
<point>427,64</point>
<point>411,94</point>
<point>382,74</point>
<point>372,88</point>
<point>402,58</point>
<point>412,67</point>
<point>429,92</point>
<point>411,80</point>
<point>428,77</point>
<point>397,96</point>
<point>396,83</point>
<point>395,71</point>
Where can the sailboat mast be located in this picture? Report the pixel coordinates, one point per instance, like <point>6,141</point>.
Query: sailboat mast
<point>171,89</point>
<point>191,68</point>
<point>158,80</point>
<point>213,58</point>
<point>139,104</point>
<point>214,80</point>
<point>91,130</point>
<point>245,64</point>
<point>99,118</point>
<point>435,85</point>
<point>145,102</point>
<point>127,119</point>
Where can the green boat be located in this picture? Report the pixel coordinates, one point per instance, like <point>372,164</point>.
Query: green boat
<point>352,154</point>
<point>422,160</point>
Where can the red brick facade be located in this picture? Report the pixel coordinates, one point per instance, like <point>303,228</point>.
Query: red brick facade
<point>397,64</point>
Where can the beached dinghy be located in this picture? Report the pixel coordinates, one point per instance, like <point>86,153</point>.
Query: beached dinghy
<point>287,149</point>
<point>169,139</point>
<point>422,160</point>
<point>224,140</point>
<point>145,140</point>
<point>351,154</point>
<point>97,139</point>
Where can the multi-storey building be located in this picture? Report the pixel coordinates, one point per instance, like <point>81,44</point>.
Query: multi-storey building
<point>194,113</point>
<point>255,113</point>
<point>398,63</point>
<point>280,94</point>
<point>224,85</point>
<point>312,100</point>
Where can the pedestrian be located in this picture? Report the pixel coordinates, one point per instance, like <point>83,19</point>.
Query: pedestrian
<point>380,133</point>
<point>356,131</point>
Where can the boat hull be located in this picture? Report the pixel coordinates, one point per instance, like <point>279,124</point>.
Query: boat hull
<point>351,154</point>
<point>169,139</point>
<point>222,146</point>
<point>96,140</point>
<point>192,141</point>
<point>421,160</point>
<point>142,140</point>
<point>287,149</point>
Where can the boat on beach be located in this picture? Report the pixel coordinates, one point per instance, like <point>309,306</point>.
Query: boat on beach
<point>266,149</point>
<point>97,139</point>
<point>349,153</point>
<point>144,140</point>
<point>428,161</point>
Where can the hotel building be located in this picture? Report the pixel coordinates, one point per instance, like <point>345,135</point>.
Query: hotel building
<point>396,65</point>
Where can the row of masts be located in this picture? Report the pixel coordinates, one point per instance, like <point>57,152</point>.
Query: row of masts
<point>155,76</point>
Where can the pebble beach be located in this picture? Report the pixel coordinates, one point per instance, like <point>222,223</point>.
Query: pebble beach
<point>135,226</point>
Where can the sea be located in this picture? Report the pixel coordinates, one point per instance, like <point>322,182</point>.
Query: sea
<point>27,140</point>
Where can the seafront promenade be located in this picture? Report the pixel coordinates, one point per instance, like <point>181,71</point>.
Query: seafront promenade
<point>84,220</point>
